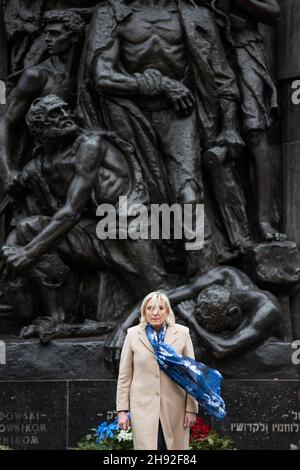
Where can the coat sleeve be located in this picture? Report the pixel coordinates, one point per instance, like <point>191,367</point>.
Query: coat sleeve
<point>125,376</point>
<point>191,404</point>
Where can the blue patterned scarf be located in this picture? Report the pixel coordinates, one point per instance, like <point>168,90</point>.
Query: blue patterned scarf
<point>197,379</point>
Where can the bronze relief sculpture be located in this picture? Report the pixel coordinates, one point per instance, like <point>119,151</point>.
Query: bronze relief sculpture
<point>161,101</point>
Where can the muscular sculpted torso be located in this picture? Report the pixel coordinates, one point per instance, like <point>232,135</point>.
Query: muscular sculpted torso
<point>52,80</point>
<point>112,176</point>
<point>153,39</point>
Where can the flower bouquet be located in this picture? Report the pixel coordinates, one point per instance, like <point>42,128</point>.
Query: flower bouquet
<point>203,438</point>
<point>108,436</point>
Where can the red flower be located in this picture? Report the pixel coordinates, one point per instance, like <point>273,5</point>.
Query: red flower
<point>200,430</point>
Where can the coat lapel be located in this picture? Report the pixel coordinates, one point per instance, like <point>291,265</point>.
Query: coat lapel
<point>144,338</point>
<point>171,335</point>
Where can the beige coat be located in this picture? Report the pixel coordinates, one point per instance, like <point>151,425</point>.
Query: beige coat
<point>149,394</point>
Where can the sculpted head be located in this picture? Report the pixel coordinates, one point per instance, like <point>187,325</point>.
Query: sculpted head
<point>62,29</point>
<point>49,119</point>
<point>217,310</point>
<point>156,310</point>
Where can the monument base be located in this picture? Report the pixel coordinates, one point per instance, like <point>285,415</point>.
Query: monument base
<point>51,396</point>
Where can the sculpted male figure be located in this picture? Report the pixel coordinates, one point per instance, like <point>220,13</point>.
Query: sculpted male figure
<point>23,27</point>
<point>225,310</point>
<point>259,97</point>
<point>74,171</point>
<point>160,69</point>
<point>62,30</point>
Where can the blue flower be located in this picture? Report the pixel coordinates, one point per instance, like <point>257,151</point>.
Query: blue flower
<point>107,430</point>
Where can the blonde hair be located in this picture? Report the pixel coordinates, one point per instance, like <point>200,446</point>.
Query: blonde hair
<point>155,297</point>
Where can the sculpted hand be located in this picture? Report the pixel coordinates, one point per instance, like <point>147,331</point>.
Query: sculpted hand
<point>13,258</point>
<point>149,82</point>
<point>231,139</point>
<point>123,420</point>
<point>112,349</point>
<point>189,419</point>
<point>154,79</point>
<point>179,96</point>
<point>186,309</point>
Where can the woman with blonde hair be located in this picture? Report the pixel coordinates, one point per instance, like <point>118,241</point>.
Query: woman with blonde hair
<point>160,382</point>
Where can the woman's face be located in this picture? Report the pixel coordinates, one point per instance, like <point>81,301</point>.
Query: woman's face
<point>156,316</point>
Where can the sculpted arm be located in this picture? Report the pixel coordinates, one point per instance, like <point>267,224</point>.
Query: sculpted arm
<point>264,314</point>
<point>29,87</point>
<point>107,77</point>
<point>90,154</point>
<point>179,294</point>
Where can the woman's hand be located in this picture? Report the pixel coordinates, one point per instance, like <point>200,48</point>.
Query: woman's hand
<point>189,419</point>
<point>123,420</point>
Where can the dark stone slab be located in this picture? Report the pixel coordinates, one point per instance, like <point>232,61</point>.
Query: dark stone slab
<point>33,415</point>
<point>261,414</point>
<point>82,359</point>
<point>295,309</point>
<point>291,169</point>
<point>61,359</point>
<point>271,360</point>
<point>274,266</point>
<point>89,403</point>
